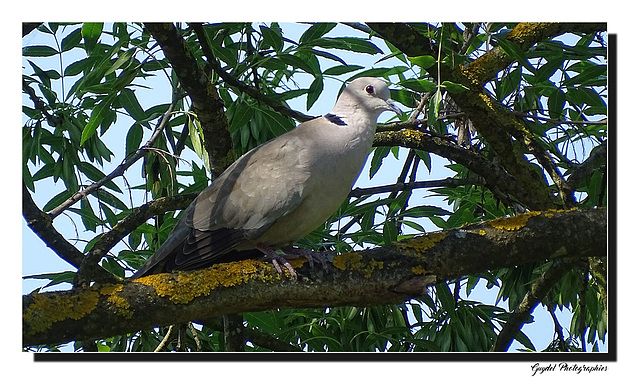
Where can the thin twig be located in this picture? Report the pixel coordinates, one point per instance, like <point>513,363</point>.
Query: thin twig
<point>447,182</point>
<point>230,80</point>
<point>128,162</point>
<point>166,339</point>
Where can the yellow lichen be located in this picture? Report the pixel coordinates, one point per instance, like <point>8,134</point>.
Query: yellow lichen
<point>412,135</point>
<point>482,232</point>
<point>526,31</point>
<point>513,223</point>
<point>353,261</point>
<point>348,261</point>
<point>371,266</point>
<point>422,243</point>
<point>183,287</point>
<point>48,309</point>
<point>120,305</point>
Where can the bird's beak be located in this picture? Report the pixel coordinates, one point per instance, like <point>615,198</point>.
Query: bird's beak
<point>393,107</point>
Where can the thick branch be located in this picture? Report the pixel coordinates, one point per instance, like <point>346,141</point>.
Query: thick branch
<point>494,175</point>
<point>42,225</point>
<point>383,275</point>
<point>492,119</point>
<point>205,98</point>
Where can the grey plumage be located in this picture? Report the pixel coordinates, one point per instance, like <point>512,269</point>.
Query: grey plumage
<point>281,190</point>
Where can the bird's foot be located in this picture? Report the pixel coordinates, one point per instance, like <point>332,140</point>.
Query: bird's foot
<point>323,257</point>
<point>278,260</point>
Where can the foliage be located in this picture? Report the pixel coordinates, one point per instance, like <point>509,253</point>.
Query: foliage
<point>94,93</point>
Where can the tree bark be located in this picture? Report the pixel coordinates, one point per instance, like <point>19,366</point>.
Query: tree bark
<point>383,275</point>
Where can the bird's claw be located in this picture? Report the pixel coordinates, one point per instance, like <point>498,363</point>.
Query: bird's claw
<point>323,257</point>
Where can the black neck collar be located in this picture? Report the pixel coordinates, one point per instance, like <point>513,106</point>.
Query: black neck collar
<point>335,119</point>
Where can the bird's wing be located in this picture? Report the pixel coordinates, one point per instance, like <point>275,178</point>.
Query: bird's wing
<point>263,185</point>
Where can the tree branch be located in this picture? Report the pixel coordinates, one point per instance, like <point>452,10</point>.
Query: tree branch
<point>492,119</point>
<point>137,217</point>
<point>205,99</point>
<point>42,225</point>
<point>447,182</point>
<point>494,175</point>
<point>242,87</point>
<point>382,275</point>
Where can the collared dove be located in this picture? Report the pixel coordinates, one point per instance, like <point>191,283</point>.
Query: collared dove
<point>281,190</point>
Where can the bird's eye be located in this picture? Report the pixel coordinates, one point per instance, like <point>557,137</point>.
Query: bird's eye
<point>369,89</point>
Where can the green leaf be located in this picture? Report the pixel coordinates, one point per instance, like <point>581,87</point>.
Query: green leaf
<point>524,340</point>
<point>95,175</point>
<point>588,75</point>
<point>407,98</point>
<point>315,89</point>
<point>276,123</point>
<point>424,62</point>
<point>352,44</point>
<point>556,103</point>
<point>77,67</point>
<point>425,157</point>
<point>419,85</point>
<point>424,211</point>
<point>228,55</point>
<point>123,57</point>
<point>296,62</point>
<point>97,115</point>
<point>56,278</point>
<point>316,31</point>
<point>514,50</point>
<point>341,69</point>
<point>88,217</point>
<point>379,153</point>
<point>196,140</point>
<point>110,199</point>
<point>454,88</point>
<point>57,200</point>
<point>91,33</point>
<point>39,51</point>
<point>286,95</point>
<point>434,108</point>
<point>129,101</point>
<point>389,232</point>
<point>272,36</point>
<point>71,41</point>
<point>243,114</point>
<point>379,72</point>
<point>328,55</point>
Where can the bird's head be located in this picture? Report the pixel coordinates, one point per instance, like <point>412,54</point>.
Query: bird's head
<point>371,94</point>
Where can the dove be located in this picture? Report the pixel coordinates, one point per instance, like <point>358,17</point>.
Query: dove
<point>280,191</point>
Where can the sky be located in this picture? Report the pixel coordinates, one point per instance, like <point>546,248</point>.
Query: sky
<point>564,11</point>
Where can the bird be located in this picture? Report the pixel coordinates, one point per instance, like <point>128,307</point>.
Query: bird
<point>280,191</point>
